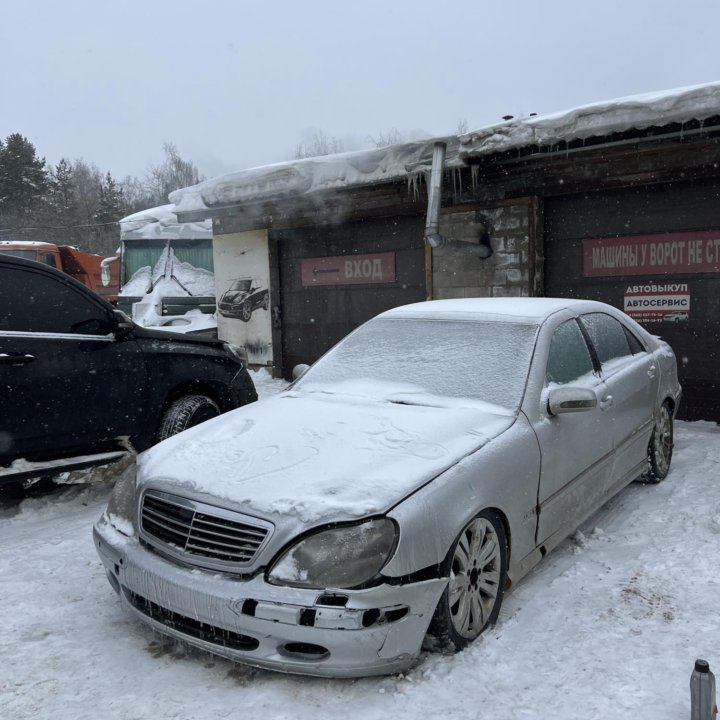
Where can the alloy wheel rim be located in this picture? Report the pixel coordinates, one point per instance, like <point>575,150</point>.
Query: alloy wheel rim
<point>663,440</point>
<point>474,578</point>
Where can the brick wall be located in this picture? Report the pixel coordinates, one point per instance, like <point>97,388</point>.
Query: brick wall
<point>507,272</point>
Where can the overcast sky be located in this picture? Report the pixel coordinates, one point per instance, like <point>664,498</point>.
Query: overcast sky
<point>237,84</point>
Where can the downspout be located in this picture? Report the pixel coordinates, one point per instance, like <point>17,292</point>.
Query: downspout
<point>482,249</point>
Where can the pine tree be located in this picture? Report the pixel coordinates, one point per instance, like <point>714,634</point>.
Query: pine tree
<point>23,179</point>
<point>62,201</point>
<point>110,207</point>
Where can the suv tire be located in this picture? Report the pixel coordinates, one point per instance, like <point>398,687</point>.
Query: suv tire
<point>184,413</point>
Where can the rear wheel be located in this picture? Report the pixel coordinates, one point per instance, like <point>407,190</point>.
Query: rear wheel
<point>660,447</point>
<point>477,568</point>
<point>184,413</point>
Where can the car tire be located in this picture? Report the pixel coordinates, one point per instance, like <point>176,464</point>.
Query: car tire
<point>266,302</point>
<point>660,447</point>
<point>477,569</point>
<point>184,413</point>
<point>246,311</point>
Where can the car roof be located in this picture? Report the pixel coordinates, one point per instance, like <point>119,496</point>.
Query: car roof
<point>517,309</point>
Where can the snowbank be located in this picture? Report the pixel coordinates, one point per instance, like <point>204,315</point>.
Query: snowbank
<point>170,278</point>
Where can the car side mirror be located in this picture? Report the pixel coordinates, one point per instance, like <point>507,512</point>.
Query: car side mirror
<point>299,370</point>
<point>123,324</point>
<point>563,400</point>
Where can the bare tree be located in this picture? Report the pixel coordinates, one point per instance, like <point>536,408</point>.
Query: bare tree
<point>174,173</point>
<point>392,137</point>
<point>317,143</point>
<point>462,127</point>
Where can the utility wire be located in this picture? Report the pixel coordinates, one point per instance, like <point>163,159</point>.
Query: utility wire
<point>58,227</point>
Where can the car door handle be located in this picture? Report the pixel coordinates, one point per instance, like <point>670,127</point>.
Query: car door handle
<point>606,401</point>
<point>15,359</point>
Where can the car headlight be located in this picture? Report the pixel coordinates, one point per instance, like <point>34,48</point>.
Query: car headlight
<point>121,505</point>
<point>341,557</point>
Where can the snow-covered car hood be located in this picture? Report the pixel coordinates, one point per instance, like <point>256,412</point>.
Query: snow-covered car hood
<point>318,456</point>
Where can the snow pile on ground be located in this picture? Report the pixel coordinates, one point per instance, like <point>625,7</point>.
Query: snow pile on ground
<point>265,384</point>
<point>607,626</point>
<point>170,278</point>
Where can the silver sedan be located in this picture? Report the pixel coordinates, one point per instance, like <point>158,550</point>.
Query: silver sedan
<point>397,489</point>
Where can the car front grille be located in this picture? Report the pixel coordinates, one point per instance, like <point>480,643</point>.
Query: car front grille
<point>189,626</point>
<point>201,534</point>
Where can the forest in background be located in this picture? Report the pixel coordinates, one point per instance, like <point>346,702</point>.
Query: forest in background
<point>74,202</point>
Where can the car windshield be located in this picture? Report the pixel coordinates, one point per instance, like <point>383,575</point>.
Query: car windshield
<point>485,361</point>
<point>241,285</point>
<point>27,254</point>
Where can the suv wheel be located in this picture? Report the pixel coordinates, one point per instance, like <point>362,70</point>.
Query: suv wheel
<point>186,412</point>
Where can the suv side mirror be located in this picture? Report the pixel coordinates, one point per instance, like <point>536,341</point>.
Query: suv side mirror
<point>123,323</point>
<point>570,400</point>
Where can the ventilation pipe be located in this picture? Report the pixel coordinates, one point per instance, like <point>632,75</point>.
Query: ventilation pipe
<point>480,248</point>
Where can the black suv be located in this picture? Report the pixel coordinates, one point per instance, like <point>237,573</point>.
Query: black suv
<point>81,384</point>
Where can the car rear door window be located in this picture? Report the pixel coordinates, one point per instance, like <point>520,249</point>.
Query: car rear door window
<point>607,336</point>
<point>569,357</point>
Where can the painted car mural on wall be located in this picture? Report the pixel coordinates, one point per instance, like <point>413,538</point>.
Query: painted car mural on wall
<point>242,298</point>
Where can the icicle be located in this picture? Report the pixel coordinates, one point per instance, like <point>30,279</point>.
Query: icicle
<point>414,180</point>
<point>475,176</point>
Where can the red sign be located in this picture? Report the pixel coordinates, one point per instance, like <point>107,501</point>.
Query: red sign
<point>348,269</point>
<point>669,253</point>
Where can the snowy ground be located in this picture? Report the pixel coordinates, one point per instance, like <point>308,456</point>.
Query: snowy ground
<point>608,626</point>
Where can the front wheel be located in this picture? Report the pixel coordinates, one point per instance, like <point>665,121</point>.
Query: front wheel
<point>477,571</point>
<point>184,413</point>
<point>246,311</point>
<point>660,447</point>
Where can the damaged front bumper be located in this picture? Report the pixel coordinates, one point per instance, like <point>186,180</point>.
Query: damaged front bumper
<point>341,633</point>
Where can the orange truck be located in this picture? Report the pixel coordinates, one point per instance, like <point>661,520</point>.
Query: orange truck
<point>101,275</point>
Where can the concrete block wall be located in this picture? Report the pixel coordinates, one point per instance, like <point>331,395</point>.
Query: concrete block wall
<point>506,273</point>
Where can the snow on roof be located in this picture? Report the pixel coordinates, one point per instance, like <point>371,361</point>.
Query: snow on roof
<point>310,175</point>
<point>697,102</point>
<point>408,161</point>
<point>25,243</point>
<point>162,223</point>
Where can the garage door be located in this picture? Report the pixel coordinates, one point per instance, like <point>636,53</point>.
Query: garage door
<point>333,279</point>
<point>653,252</point>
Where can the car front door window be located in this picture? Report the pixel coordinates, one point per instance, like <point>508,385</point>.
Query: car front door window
<point>576,448</point>
<point>43,304</point>
<point>569,358</point>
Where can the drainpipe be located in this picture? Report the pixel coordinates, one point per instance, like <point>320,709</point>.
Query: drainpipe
<point>482,249</point>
